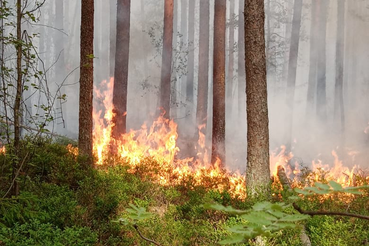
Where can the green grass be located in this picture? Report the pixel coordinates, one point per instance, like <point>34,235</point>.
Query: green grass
<point>65,202</point>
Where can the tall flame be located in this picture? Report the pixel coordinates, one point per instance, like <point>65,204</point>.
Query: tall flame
<point>158,142</point>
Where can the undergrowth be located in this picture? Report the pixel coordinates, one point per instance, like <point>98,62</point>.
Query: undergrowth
<point>63,201</point>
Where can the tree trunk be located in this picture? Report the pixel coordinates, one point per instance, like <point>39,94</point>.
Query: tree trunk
<point>203,81</point>
<point>113,35</point>
<point>18,97</point>
<point>218,137</point>
<point>241,63</point>
<point>229,87</point>
<point>121,68</point>
<point>258,171</point>
<point>313,59</point>
<point>85,138</point>
<point>166,58</point>
<point>292,67</point>
<point>191,58</point>
<point>321,64</point>
<point>338,98</point>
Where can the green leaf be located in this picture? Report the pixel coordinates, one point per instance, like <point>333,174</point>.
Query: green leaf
<point>294,217</point>
<point>257,219</point>
<point>235,238</point>
<point>336,186</point>
<point>317,190</point>
<point>261,206</point>
<point>322,186</point>
<point>304,192</point>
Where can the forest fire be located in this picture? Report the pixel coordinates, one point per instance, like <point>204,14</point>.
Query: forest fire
<point>156,144</point>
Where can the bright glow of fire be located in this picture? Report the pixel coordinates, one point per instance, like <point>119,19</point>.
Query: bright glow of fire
<point>157,142</point>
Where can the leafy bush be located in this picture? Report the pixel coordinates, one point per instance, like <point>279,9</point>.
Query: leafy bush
<point>330,231</point>
<point>37,233</point>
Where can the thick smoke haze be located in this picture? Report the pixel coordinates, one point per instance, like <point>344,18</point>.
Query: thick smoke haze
<point>314,138</point>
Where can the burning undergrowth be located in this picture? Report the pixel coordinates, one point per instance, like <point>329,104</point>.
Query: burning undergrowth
<point>152,153</point>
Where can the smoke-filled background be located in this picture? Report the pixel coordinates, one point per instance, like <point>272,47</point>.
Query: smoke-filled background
<point>314,135</point>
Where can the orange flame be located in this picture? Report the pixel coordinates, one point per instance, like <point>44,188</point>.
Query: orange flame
<point>158,143</point>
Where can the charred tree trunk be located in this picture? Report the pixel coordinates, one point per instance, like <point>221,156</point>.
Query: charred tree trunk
<point>191,58</point>
<point>292,67</point>
<point>218,137</point>
<point>85,137</point>
<point>203,83</point>
<point>321,64</point>
<point>230,60</point>
<point>183,61</point>
<point>121,68</point>
<point>241,63</point>
<point>339,113</point>
<point>258,171</point>
<point>166,58</point>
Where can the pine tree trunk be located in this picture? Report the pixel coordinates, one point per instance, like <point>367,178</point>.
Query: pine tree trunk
<point>203,81</point>
<point>313,59</point>
<point>85,137</point>
<point>339,113</point>
<point>229,87</point>
<point>121,68</point>
<point>191,58</point>
<point>218,137</point>
<point>241,64</point>
<point>321,64</point>
<point>113,35</point>
<point>166,58</point>
<point>258,171</point>
<point>292,67</point>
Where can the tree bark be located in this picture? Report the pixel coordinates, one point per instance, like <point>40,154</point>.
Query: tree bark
<point>218,137</point>
<point>241,63</point>
<point>231,59</point>
<point>166,58</point>
<point>18,97</point>
<point>85,137</point>
<point>292,67</point>
<point>321,63</point>
<point>258,171</point>
<point>313,59</point>
<point>203,81</point>
<point>191,57</point>
<point>113,35</point>
<point>121,68</point>
<point>339,113</point>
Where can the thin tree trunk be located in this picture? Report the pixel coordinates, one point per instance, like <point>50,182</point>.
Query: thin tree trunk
<point>18,97</point>
<point>184,52</point>
<point>203,81</point>
<point>166,58</point>
<point>321,64</point>
<point>241,63</point>
<point>258,171</point>
<point>339,104</point>
<point>85,137</point>
<point>121,68</point>
<point>191,57</point>
<point>292,67</point>
<point>313,59</point>
<point>175,77</point>
<point>218,137</point>
<point>113,35</point>
<point>229,88</point>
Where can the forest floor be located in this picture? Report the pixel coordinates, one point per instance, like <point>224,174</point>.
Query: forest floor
<point>65,202</point>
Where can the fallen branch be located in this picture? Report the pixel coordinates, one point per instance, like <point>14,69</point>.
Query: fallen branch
<point>145,238</point>
<point>312,213</point>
